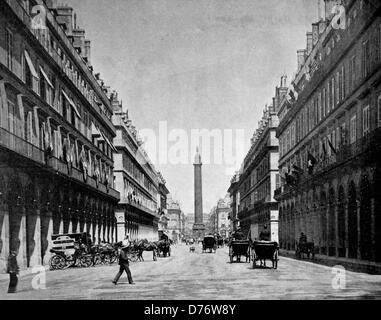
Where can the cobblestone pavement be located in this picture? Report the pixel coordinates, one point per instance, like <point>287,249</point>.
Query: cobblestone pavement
<point>191,276</point>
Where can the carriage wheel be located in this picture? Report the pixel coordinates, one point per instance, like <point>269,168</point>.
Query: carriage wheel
<point>57,262</point>
<point>85,261</point>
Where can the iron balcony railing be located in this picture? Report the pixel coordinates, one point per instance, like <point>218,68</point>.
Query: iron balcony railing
<point>124,200</point>
<point>24,148</point>
<point>370,142</point>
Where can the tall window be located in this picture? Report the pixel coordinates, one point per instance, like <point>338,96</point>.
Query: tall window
<point>337,88</point>
<point>352,73</point>
<point>365,58</point>
<point>43,87</point>
<point>378,43</point>
<point>323,102</point>
<point>365,120</point>
<point>379,110</point>
<point>353,129</point>
<point>332,94</point>
<point>342,87</point>
<point>9,48</point>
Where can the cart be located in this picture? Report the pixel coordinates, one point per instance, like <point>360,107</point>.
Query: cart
<point>238,248</point>
<point>265,250</point>
<point>210,243</point>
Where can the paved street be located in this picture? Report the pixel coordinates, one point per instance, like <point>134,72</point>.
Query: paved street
<point>192,276</point>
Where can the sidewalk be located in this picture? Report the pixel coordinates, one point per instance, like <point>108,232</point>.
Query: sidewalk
<point>354,265</point>
<point>31,270</point>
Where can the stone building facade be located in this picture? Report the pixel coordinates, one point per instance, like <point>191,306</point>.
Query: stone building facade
<point>137,180</point>
<point>259,178</point>
<point>56,163</point>
<point>329,137</point>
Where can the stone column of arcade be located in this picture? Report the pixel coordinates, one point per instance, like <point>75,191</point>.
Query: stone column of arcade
<point>33,215</point>
<point>4,226</point>
<point>17,223</point>
<point>46,231</point>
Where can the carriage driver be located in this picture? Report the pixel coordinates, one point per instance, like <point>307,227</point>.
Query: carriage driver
<point>302,239</point>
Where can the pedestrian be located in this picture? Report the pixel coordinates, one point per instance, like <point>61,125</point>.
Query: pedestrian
<point>123,266</point>
<point>13,270</point>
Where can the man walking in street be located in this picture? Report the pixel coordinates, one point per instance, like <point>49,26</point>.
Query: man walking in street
<point>13,270</point>
<point>124,264</point>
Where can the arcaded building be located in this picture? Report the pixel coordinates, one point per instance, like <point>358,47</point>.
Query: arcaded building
<point>56,164</point>
<point>329,137</point>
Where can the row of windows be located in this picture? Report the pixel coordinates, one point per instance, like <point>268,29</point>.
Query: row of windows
<point>328,97</point>
<point>135,196</point>
<point>48,88</point>
<point>138,175</point>
<point>43,133</point>
<point>343,133</point>
<point>262,193</point>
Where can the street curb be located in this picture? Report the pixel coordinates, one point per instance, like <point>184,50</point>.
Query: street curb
<point>329,264</point>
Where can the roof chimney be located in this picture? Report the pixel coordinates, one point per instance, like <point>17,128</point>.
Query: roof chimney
<point>309,42</point>
<point>65,18</point>
<point>301,58</point>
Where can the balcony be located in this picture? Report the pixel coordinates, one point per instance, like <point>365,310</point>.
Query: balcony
<point>28,150</point>
<point>124,200</point>
<point>361,151</point>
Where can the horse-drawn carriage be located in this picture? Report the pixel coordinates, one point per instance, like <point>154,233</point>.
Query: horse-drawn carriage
<point>209,243</point>
<point>220,242</point>
<point>69,250</point>
<point>265,250</point>
<point>238,248</point>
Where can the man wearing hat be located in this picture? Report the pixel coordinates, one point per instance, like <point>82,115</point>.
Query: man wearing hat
<point>124,264</point>
<point>238,235</point>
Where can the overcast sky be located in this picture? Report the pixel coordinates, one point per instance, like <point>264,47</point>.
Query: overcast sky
<point>196,64</point>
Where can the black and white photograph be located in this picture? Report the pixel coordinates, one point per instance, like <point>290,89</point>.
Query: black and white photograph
<point>208,152</point>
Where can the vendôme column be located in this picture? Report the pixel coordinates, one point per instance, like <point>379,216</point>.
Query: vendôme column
<point>198,227</point>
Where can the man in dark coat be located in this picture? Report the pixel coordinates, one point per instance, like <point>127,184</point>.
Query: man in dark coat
<point>13,270</point>
<point>124,265</point>
<point>265,234</point>
<point>238,235</point>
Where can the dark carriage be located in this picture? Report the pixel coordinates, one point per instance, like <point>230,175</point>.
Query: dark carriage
<point>220,242</point>
<point>209,243</point>
<point>265,250</point>
<point>238,248</point>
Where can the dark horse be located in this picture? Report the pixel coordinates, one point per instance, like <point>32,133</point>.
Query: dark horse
<point>307,248</point>
<point>164,247</point>
<point>145,245</point>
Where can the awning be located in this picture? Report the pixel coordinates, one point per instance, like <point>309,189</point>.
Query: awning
<point>108,142</point>
<point>71,103</point>
<point>46,77</point>
<point>30,64</point>
<point>94,130</point>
